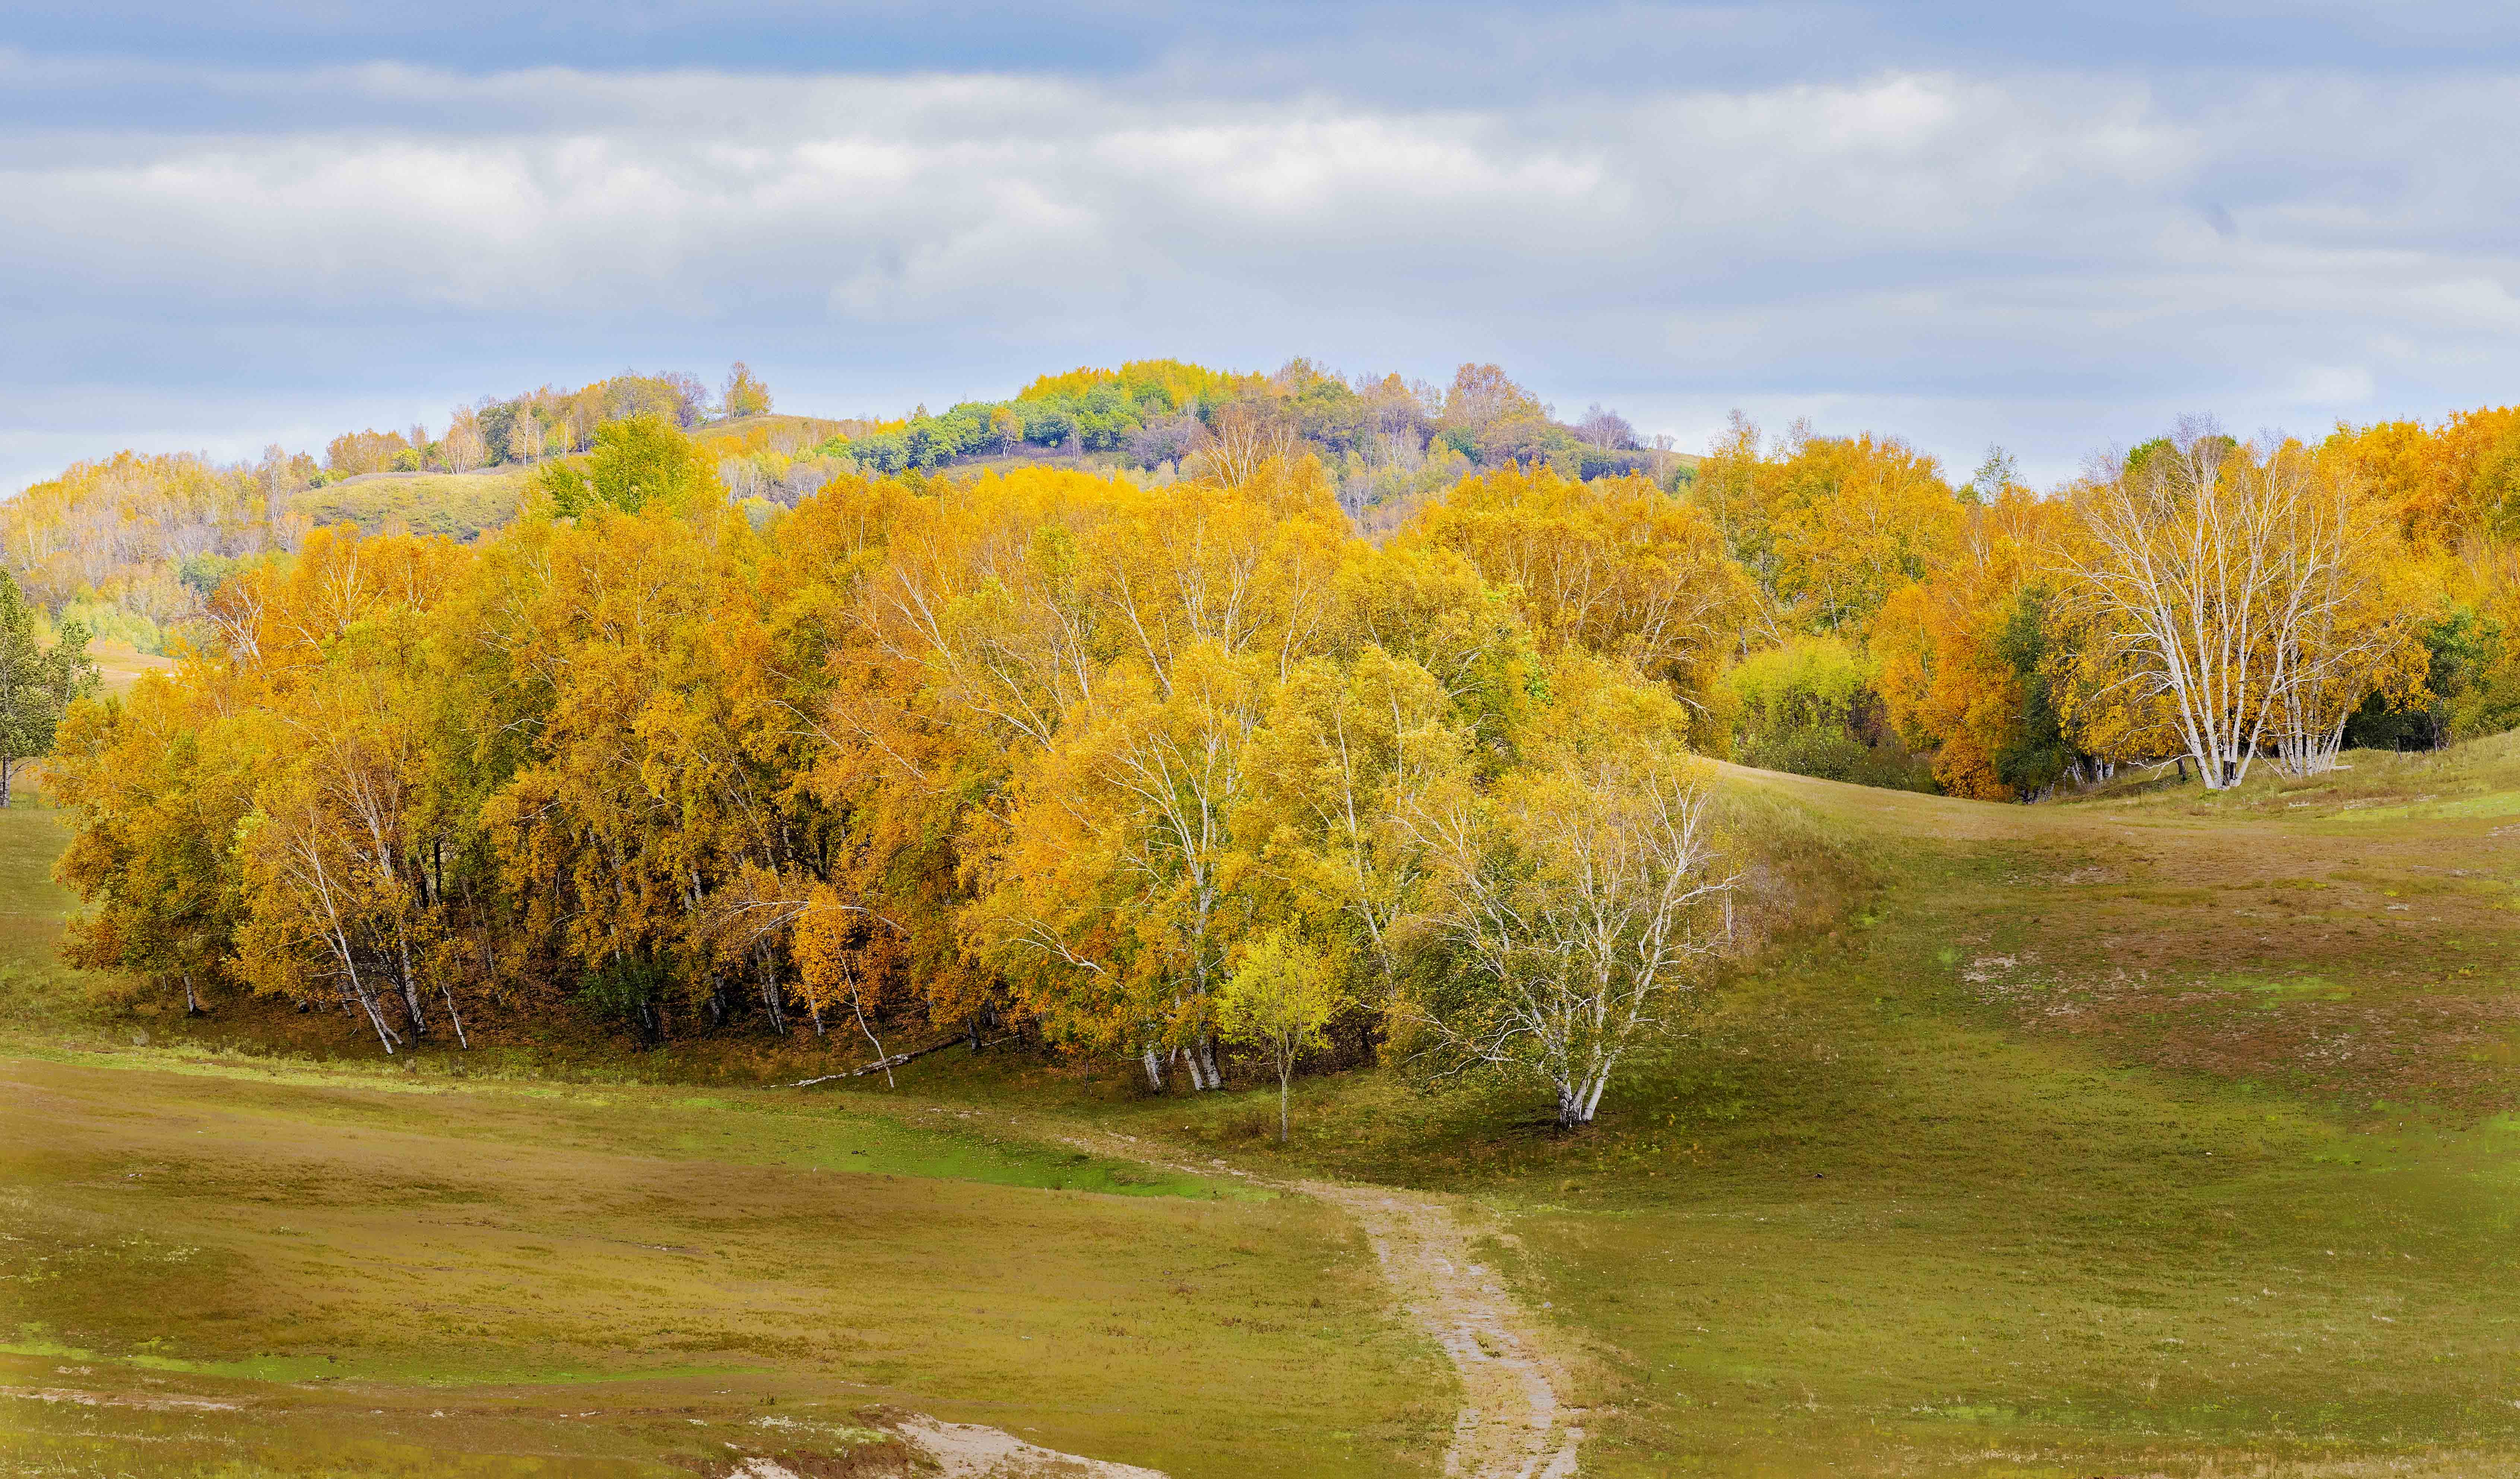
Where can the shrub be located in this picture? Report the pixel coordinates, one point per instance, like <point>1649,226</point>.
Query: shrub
<point>1813,707</point>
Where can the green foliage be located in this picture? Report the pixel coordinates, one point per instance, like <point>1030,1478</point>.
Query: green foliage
<point>970,429</point>
<point>2142,455</point>
<point>2470,689</point>
<point>2039,753</point>
<point>1282,994</point>
<point>629,987</point>
<point>202,573</point>
<point>635,463</point>
<point>104,621</point>
<point>1278,1002</point>
<point>1809,683</point>
<point>565,486</point>
<point>1812,707</point>
<point>1145,414</point>
<point>39,681</point>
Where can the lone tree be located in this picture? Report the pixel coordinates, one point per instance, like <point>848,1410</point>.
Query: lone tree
<point>1279,1002</point>
<point>37,682</point>
<point>1575,904</point>
<point>636,462</point>
<point>744,393</point>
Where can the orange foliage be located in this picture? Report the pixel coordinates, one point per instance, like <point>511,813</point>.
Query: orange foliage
<point>1942,679</point>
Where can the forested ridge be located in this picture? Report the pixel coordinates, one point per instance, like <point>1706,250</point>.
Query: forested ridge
<point>133,543</point>
<point>1161,710</point>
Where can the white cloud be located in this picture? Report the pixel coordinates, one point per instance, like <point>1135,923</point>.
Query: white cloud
<point>1978,254</point>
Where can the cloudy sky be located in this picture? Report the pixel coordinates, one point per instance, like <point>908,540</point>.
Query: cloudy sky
<point>2053,227</point>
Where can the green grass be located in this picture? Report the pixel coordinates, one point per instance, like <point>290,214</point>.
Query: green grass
<point>2156,1134</point>
<point>351,1267</point>
<point>458,506</point>
<point>1883,1206</point>
<point>37,991</point>
<point>420,1242</point>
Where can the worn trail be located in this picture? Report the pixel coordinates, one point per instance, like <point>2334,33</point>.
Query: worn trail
<point>1513,1424</point>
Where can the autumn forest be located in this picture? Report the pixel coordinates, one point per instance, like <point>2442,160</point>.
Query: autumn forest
<point>1282,709</point>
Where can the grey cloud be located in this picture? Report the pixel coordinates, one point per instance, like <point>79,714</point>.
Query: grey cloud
<point>1209,47</point>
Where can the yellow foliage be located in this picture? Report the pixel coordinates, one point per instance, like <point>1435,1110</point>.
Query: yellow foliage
<point>119,529</point>
<point>2443,485</point>
<point>1827,526</point>
<point>1613,566</point>
<point>1179,382</point>
<point>1071,748</point>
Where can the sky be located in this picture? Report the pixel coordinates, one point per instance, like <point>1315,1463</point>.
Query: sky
<point>2053,228</point>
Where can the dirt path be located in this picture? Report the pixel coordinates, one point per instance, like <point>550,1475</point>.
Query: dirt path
<point>1511,1424</point>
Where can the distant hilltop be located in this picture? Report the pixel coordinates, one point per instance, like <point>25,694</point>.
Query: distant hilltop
<point>134,542</point>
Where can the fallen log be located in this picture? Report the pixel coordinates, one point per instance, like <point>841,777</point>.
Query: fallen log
<point>899,1059</point>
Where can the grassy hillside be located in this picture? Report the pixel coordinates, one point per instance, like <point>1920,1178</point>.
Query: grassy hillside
<point>322,1252</point>
<point>119,665</point>
<point>2147,1136</point>
<point>463,505</point>
<point>267,1266</point>
<point>2157,1134</point>
<point>457,505</point>
<point>752,432</point>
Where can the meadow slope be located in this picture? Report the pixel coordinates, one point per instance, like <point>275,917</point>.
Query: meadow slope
<point>2152,1133</point>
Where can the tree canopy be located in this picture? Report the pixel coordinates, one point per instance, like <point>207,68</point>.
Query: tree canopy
<point>909,729</point>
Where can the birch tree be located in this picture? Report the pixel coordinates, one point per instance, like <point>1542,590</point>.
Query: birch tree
<point>1278,1001</point>
<point>332,852</point>
<point>1578,901</point>
<point>1345,751</point>
<point>2234,601</point>
<point>1118,896</point>
<point>2191,573</point>
<point>2348,620</point>
<point>462,448</point>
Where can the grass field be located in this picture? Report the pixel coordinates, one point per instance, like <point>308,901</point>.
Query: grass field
<point>642,1275</point>
<point>2156,1134</point>
<point>457,505</point>
<point>222,1264</point>
<point>118,664</point>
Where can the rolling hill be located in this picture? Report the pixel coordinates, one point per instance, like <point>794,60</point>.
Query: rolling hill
<point>2151,1134</point>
